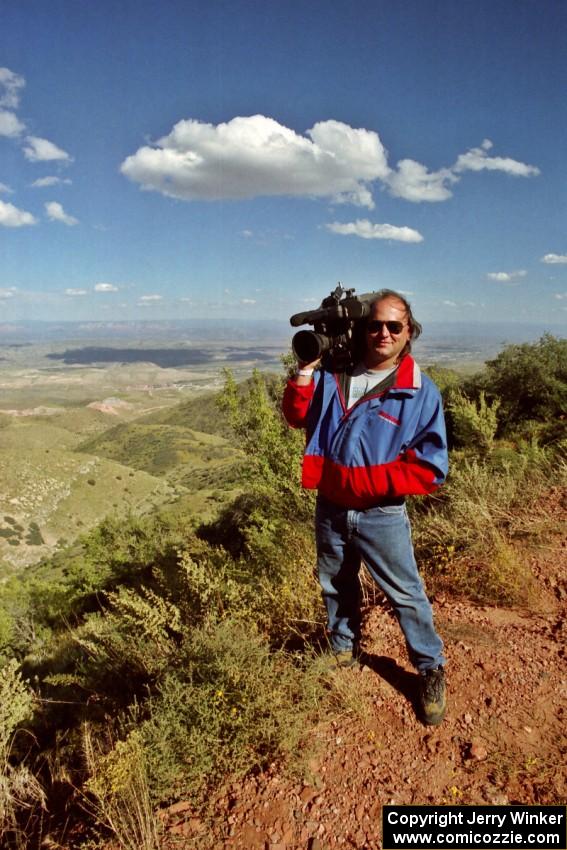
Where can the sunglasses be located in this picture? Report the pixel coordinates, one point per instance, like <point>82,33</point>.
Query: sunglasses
<point>375,327</point>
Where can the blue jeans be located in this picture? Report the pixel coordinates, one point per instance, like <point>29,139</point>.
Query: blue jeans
<point>381,537</point>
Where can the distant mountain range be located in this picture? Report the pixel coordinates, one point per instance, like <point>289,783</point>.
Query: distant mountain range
<point>441,341</point>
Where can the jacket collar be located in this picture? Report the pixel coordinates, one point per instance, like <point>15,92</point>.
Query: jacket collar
<point>406,378</point>
<point>408,375</point>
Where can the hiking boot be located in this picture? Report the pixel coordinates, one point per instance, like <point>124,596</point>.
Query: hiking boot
<point>346,658</point>
<point>341,658</point>
<point>432,696</point>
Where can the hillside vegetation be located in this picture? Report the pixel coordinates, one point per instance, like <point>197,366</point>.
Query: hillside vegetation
<point>161,653</point>
<point>50,493</point>
<point>64,469</point>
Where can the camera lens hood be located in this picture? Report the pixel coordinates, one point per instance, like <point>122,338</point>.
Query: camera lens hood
<point>309,346</point>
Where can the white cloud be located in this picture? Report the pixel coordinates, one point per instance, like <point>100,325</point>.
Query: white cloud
<point>506,277</point>
<point>10,85</point>
<point>8,292</point>
<point>247,233</point>
<point>49,181</point>
<point>366,230</point>
<point>477,159</point>
<point>105,287</point>
<point>554,259</point>
<point>450,303</point>
<point>560,295</point>
<point>35,148</point>
<point>413,182</point>
<point>75,292</point>
<point>55,212</point>
<point>6,189</point>
<point>10,124</point>
<point>251,156</point>
<point>148,298</point>
<point>42,150</point>
<point>11,216</point>
<point>248,301</point>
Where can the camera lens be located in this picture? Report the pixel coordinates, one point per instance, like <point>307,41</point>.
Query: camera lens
<point>309,346</point>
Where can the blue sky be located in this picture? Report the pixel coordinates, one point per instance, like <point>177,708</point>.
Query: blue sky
<point>177,159</point>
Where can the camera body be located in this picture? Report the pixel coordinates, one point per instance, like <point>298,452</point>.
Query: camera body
<point>338,326</point>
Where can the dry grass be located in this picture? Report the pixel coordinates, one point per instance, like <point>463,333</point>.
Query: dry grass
<point>470,539</point>
<point>118,792</point>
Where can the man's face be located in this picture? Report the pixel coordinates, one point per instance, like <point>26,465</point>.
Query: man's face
<point>383,347</point>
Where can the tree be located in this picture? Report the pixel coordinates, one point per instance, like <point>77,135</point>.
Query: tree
<point>530,380</point>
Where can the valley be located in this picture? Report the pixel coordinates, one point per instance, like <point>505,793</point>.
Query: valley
<point>82,438</point>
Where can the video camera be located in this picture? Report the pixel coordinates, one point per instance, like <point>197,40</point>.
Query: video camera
<point>337,328</point>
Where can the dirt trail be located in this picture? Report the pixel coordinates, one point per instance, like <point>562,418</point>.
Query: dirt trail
<point>503,740</point>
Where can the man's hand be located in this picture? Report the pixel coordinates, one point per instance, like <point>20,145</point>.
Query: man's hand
<point>305,371</point>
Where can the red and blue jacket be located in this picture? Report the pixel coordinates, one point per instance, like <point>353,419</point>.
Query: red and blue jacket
<point>390,444</point>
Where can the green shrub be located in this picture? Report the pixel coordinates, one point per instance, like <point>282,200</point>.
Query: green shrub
<point>16,703</point>
<point>19,788</point>
<point>270,537</point>
<point>474,423</point>
<point>193,648</point>
<point>33,537</point>
<point>27,606</point>
<point>530,380</point>
<point>232,705</point>
<point>273,449</point>
<point>447,380</point>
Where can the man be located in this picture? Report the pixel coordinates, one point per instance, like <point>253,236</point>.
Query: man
<point>374,437</point>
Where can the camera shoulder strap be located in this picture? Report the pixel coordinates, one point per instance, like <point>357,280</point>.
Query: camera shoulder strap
<point>344,379</point>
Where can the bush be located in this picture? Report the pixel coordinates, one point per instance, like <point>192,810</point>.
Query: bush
<point>118,791</point>
<point>188,659</point>
<point>530,380</point>
<point>233,704</point>
<point>274,450</point>
<point>445,379</point>
<point>33,537</point>
<point>19,789</point>
<point>474,423</point>
<point>463,534</point>
<point>496,576</point>
<point>272,544</point>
